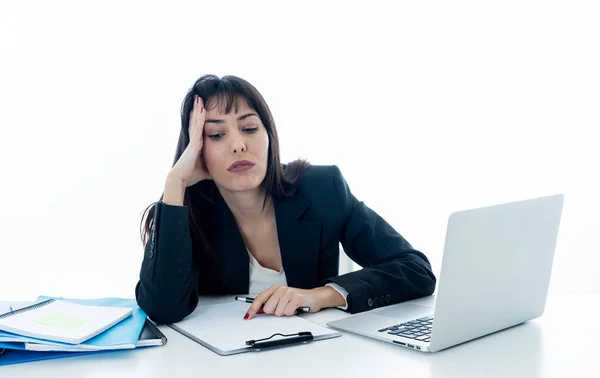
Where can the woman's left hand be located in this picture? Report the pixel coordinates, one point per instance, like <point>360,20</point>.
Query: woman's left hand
<point>284,301</point>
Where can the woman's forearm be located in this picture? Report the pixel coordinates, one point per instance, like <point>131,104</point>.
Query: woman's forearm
<point>174,192</point>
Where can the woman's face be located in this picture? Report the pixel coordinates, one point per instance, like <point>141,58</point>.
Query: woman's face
<point>239,136</point>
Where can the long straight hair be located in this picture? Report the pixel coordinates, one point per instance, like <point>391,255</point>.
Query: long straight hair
<point>227,92</point>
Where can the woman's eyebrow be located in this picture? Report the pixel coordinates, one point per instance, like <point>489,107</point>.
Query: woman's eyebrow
<point>240,118</point>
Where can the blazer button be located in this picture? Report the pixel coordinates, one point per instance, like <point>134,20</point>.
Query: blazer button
<point>375,302</point>
<point>388,298</point>
<point>370,302</point>
<point>381,299</point>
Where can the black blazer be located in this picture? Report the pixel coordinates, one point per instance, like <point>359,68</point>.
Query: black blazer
<point>310,226</point>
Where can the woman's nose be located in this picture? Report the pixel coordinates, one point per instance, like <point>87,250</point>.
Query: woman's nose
<point>238,145</point>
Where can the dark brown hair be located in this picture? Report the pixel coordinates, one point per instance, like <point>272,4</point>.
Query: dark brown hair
<point>226,92</point>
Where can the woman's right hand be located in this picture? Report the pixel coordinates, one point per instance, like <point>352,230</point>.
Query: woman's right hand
<point>189,168</point>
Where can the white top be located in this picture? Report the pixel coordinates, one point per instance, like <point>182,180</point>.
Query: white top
<point>262,278</point>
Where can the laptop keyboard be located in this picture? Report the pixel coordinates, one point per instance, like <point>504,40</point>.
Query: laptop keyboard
<point>418,329</point>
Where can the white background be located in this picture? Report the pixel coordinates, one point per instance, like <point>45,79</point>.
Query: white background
<point>427,107</point>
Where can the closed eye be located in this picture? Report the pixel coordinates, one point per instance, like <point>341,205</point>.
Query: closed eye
<point>215,136</point>
<point>249,130</point>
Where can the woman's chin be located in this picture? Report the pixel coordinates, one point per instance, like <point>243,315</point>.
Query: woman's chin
<point>241,185</point>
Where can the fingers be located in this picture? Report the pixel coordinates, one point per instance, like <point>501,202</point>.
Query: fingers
<point>272,305</point>
<point>290,309</point>
<point>197,116</point>
<point>197,110</point>
<point>288,303</point>
<point>277,300</point>
<point>198,104</point>
<point>259,301</point>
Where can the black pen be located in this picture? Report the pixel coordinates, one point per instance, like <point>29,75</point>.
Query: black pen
<point>250,300</point>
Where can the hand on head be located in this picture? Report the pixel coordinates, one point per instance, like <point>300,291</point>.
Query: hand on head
<point>189,167</point>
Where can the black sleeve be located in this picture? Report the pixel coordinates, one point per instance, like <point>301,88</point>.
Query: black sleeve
<point>168,286</point>
<point>392,270</point>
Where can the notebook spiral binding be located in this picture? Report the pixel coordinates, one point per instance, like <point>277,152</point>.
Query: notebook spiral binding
<point>28,308</point>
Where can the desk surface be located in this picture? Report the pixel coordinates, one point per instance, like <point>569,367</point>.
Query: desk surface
<point>562,342</point>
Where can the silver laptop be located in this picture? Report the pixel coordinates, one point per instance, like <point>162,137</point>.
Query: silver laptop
<point>495,274</point>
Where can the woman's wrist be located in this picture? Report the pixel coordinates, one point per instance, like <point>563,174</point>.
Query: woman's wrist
<point>328,297</point>
<point>174,191</point>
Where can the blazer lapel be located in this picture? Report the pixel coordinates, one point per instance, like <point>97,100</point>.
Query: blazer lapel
<point>230,252</point>
<point>298,242</point>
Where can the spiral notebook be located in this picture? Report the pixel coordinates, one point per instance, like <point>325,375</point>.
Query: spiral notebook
<point>62,321</point>
<point>122,335</point>
<point>222,329</point>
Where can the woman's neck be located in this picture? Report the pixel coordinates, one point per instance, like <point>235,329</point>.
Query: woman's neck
<point>247,206</point>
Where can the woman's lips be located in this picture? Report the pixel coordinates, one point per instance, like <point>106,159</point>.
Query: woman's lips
<point>240,166</point>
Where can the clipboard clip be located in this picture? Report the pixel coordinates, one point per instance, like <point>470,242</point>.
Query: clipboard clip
<point>292,338</point>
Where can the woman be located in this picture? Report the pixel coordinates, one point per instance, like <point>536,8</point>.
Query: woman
<point>233,220</point>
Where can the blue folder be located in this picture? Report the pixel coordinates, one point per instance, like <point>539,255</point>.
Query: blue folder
<point>123,335</point>
<point>12,356</point>
<point>151,336</point>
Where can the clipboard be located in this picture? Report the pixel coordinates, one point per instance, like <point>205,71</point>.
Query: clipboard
<point>222,329</point>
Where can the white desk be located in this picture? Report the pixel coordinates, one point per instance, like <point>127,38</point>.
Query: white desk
<point>562,343</point>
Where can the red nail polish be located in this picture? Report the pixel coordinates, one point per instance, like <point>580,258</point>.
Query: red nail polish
<point>246,316</point>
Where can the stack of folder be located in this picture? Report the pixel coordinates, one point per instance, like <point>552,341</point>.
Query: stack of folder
<point>58,327</point>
